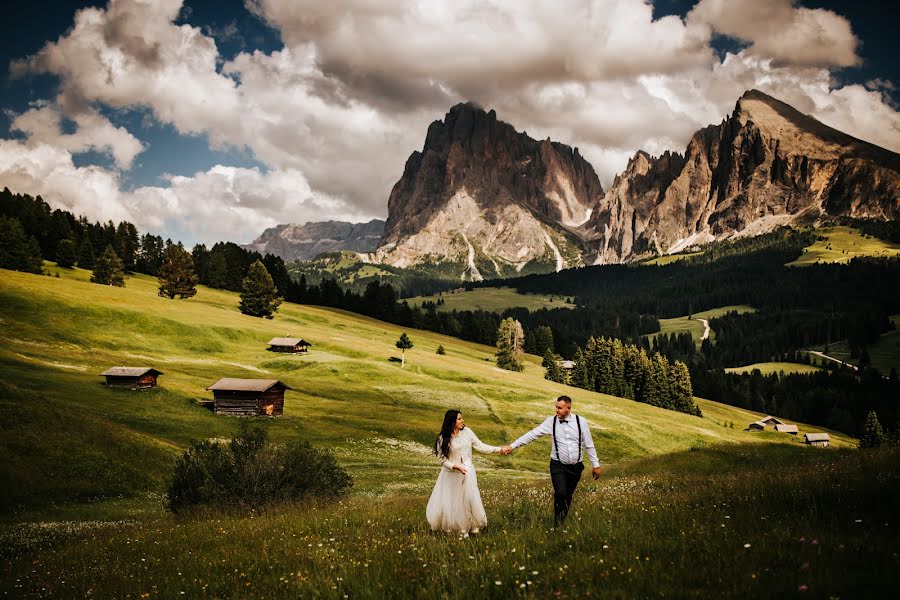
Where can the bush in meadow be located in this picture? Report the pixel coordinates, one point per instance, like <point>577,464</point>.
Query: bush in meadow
<point>251,471</point>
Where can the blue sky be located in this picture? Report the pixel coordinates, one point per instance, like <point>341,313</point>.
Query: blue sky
<point>213,120</point>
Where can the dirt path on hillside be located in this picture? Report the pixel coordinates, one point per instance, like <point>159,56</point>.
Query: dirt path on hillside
<point>825,356</point>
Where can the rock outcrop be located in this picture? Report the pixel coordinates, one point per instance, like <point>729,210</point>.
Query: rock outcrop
<point>489,199</point>
<point>764,166</point>
<point>304,242</point>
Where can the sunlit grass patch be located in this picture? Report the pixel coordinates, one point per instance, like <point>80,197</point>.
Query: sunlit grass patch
<point>842,244</point>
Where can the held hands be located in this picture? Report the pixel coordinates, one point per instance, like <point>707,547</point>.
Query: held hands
<point>504,450</point>
<point>595,473</point>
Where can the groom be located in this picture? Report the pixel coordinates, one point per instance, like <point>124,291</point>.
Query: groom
<point>569,433</point>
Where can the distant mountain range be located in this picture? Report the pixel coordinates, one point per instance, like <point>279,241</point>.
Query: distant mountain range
<point>305,242</point>
<point>482,200</point>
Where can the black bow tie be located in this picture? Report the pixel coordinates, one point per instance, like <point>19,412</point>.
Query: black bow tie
<point>563,420</point>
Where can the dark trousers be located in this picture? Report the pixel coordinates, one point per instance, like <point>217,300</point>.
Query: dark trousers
<point>565,479</point>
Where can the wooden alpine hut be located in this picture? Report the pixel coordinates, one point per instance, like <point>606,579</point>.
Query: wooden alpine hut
<point>248,397</point>
<point>786,428</point>
<point>817,439</point>
<point>135,378</point>
<point>765,422</point>
<point>286,344</point>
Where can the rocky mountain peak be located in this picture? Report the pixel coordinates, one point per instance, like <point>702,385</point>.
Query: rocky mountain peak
<point>483,169</point>
<point>766,165</point>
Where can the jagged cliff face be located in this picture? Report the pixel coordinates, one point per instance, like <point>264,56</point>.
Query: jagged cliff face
<point>490,199</point>
<point>482,200</point>
<point>765,166</point>
<point>304,242</point>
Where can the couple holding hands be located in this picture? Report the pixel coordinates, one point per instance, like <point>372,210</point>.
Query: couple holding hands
<point>455,503</point>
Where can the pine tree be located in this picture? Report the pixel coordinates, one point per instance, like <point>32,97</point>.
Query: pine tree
<point>108,269</point>
<point>127,244</point>
<point>151,255</point>
<point>543,340</point>
<point>554,370</point>
<point>18,251</point>
<point>66,253</point>
<point>176,275</point>
<point>579,376</point>
<point>404,343</point>
<point>682,390</point>
<point>440,350</point>
<point>86,257</point>
<point>259,297</point>
<point>510,341</point>
<point>873,436</point>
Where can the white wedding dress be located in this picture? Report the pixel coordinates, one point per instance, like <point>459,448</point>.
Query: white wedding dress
<point>455,503</point>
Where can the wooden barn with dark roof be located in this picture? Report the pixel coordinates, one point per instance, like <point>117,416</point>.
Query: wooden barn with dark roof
<point>286,344</point>
<point>135,378</point>
<point>248,397</point>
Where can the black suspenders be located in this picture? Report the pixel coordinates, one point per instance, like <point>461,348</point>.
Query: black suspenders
<point>556,444</point>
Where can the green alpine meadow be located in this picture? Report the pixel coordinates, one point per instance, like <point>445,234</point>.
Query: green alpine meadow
<point>685,505</point>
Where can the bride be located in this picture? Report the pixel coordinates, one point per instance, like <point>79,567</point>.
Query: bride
<point>455,503</point>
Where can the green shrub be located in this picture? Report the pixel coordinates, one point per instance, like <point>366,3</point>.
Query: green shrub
<point>251,471</point>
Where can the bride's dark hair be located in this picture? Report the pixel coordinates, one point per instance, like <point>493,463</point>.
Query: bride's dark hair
<point>442,442</point>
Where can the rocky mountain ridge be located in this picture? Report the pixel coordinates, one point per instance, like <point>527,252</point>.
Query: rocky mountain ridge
<point>304,242</point>
<point>482,200</point>
<point>487,197</point>
<point>766,165</point>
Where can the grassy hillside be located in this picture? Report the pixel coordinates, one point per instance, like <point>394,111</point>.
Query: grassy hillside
<point>767,368</point>
<point>686,505</point>
<point>492,299</point>
<point>60,333</point>
<point>841,244</point>
<point>883,354</point>
<point>693,325</point>
<point>669,258</point>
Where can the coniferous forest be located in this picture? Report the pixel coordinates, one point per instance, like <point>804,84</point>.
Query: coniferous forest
<point>795,308</point>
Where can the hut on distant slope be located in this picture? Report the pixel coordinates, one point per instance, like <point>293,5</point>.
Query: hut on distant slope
<point>817,439</point>
<point>786,428</point>
<point>765,422</point>
<point>135,378</point>
<point>291,345</point>
<point>248,397</point>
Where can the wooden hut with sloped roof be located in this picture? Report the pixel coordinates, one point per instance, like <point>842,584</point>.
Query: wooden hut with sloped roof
<point>248,397</point>
<point>765,422</point>
<point>787,428</point>
<point>820,440</point>
<point>135,378</point>
<point>286,344</point>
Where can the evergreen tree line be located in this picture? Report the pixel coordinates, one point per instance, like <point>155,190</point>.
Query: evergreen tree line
<point>31,231</point>
<point>611,367</point>
<point>74,240</point>
<point>758,278</point>
<point>883,230</point>
<point>771,333</point>
<point>838,399</point>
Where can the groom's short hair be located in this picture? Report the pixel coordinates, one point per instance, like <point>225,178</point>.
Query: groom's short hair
<point>565,399</point>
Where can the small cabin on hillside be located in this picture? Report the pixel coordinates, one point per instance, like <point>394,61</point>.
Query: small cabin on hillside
<point>817,439</point>
<point>291,345</point>
<point>568,365</point>
<point>785,428</point>
<point>248,397</point>
<point>765,422</point>
<point>135,378</point>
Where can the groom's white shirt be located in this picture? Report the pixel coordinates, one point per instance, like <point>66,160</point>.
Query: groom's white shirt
<point>566,439</point>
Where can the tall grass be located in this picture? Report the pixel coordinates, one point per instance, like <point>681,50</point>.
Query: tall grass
<point>725,521</point>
